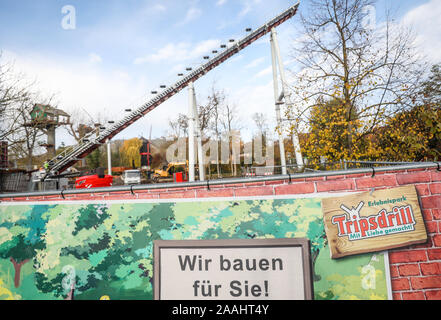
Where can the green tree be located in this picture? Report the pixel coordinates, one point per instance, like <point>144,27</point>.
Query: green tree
<point>22,237</point>
<point>65,271</point>
<point>95,159</point>
<point>415,134</point>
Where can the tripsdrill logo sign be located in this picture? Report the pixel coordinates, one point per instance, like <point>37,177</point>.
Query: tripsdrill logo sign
<point>352,225</point>
<point>373,221</point>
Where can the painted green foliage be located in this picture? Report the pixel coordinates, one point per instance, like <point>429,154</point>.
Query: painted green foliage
<point>86,251</point>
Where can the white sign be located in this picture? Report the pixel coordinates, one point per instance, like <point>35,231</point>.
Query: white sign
<point>269,269</point>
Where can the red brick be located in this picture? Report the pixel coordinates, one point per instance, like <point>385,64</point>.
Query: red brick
<point>324,186</point>
<point>121,197</point>
<point>435,175</point>
<point>409,270</point>
<point>316,179</point>
<point>433,295</point>
<point>338,177</point>
<point>22,199</point>
<point>416,295</point>
<point>396,296</point>
<point>157,190</point>
<point>83,197</point>
<point>416,177</point>
<point>255,191</point>
<point>177,189</point>
<point>254,184</point>
<point>394,271</point>
<point>295,188</point>
<point>400,284</point>
<point>357,175</point>
<point>434,254</point>
<point>272,183</point>
<point>433,282</point>
<point>437,240</point>
<point>435,188</point>
<point>407,256</point>
<point>431,226</point>
<point>422,189</point>
<point>233,185</point>
<point>436,213</point>
<point>214,193</point>
<point>377,181</point>
<point>177,195</point>
<point>427,244</point>
<point>431,268</point>
<point>431,202</point>
<point>147,196</point>
<point>427,214</point>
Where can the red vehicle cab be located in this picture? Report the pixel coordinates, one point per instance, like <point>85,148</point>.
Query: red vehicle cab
<point>93,181</point>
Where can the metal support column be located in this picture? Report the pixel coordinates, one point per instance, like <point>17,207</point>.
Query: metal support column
<point>277,105</point>
<point>109,158</point>
<point>286,95</point>
<point>199,136</point>
<point>191,135</point>
<point>194,130</point>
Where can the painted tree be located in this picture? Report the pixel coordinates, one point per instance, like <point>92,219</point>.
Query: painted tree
<point>123,266</point>
<point>22,236</point>
<point>73,238</point>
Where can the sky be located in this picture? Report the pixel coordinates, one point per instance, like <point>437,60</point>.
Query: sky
<point>101,57</point>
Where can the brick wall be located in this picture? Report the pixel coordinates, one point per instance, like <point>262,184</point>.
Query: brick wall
<point>415,270</point>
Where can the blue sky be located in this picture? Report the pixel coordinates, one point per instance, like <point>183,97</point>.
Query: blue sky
<point>121,50</point>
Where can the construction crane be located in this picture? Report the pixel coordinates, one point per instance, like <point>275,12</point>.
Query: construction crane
<point>100,136</point>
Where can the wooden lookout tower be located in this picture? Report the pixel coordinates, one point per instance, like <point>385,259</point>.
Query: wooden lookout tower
<point>47,119</point>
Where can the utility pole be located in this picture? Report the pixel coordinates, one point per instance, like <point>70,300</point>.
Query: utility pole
<point>277,59</point>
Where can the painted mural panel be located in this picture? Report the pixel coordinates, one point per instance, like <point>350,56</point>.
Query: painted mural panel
<point>105,250</point>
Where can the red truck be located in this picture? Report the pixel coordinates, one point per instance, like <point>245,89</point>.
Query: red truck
<point>94,180</point>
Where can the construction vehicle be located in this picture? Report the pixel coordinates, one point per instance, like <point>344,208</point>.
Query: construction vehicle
<point>132,176</point>
<point>94,179</point>
<point>174,171</point>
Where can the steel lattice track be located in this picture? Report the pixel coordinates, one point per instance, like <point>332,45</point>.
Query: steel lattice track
<point>66,160</point>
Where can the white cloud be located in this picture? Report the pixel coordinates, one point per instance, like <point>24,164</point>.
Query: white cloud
<point>424,20</point>
<point>95,58</point>
<point>255,63</point>
<point>248,5</point>
<point>181,51</point>
<point>221,2</point>
<point>251,99</point>
<point>264,72</point>
<point>159,7</point>
<point>192,14</point>
<point>77,84</point>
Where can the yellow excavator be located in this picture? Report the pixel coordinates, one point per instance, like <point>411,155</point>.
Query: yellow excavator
<point>166,173</point>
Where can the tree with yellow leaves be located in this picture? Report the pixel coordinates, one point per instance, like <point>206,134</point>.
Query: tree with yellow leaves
<point>371,72</point>
<point>130,153</point>
<point>408,135</point>
<point>415,134</point>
